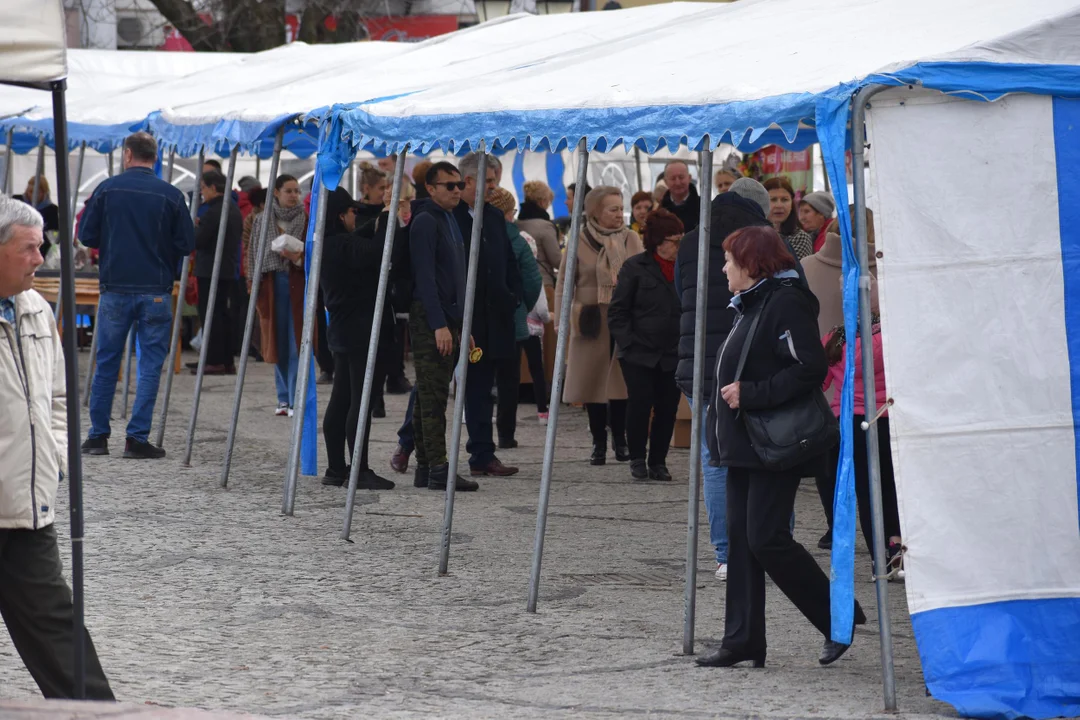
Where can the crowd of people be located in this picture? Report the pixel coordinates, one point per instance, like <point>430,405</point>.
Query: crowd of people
<point>775,343</point>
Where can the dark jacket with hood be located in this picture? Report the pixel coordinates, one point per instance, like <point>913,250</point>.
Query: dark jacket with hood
<point>786,359</point>
<point>498,283</point>
<point>730,212</point>
<point>437,263</point>
<point>400,270</point>
<point>643,316</point>
<point>206,240</point>
<point>349,280</point>
<point>689,212</point>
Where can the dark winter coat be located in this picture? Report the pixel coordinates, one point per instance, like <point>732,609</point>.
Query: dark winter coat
<point>437,264</point>
<point>400,271</point>
<point>350,282</point>
<point>498,283</point>
<point>644,315</point>
<point>730,212</point>
<point>786,360</point>
<point>689,212</point>
<point>206,240</point>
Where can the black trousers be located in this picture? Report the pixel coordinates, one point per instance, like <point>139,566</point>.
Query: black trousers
<point>534,356</point>
<point>478,406</point>
<point>219,350</point>
<point>602,415</point>
<point>826,482</point>
<point>323,356</point>
<point>888,483</point>
<point>653,395</point>
<point>238,307</point>
<point>343,410</point>
<point>759,507</point>
<point>35,602</point>
<point>395,367</point>
<point>508,387</point>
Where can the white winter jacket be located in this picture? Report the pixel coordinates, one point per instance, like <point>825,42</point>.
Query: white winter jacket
<point>33,415</point>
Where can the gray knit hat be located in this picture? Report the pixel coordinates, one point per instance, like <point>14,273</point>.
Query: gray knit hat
<point>752,190</point>
<point>820,201</point>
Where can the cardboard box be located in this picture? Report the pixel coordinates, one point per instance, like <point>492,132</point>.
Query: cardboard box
<point>681,437</point>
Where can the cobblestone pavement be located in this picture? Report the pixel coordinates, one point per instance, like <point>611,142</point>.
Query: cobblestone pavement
<point>210,598</point>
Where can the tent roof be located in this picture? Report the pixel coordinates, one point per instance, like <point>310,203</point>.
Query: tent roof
<point>456,58</point>
<point>95,75</point>
<point>708,71</point>
<point>32,42</point>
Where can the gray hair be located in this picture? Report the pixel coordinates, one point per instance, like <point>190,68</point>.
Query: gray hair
<point>470,165</point>
<point>16,214</point>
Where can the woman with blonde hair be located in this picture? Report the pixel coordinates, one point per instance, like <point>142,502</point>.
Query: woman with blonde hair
<point>593,376</point>
<point>535,220</point>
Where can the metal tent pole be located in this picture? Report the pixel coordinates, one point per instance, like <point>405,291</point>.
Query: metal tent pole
<point>559,376</point>
<point>92,368</point>
<point>461,369</point>
<point>253,301</point>
<point>303,372</point>
<point>858,143</point>
<point>71,376</point>
<point>8,161</point>
<point>258,167</point>
<point>701,403</point>
<point>127,369</point>
<point>208,323</point>
<point>171,166</point>
<point>109,165</point>
<point>39,171</point>
<point>174,344</point>
<point>74,205</point>
<point>637,167</point>
<point>373,342</point>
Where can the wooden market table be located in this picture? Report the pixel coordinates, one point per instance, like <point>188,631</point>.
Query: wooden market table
<point>87,294</point>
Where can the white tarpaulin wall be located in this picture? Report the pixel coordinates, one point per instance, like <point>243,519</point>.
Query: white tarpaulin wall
<point>32,42</point>
<point>979,282</point>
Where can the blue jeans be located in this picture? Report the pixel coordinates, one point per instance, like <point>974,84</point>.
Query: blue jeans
<point>287,353</point>
<point>405,432</point>
<point>714,481</point>
<point>151,316</point>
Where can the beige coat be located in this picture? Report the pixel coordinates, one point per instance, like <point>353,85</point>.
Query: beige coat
<point>593,374</point>
<point>823,275</point>
<point>548,252</point>
<point>33,415</point>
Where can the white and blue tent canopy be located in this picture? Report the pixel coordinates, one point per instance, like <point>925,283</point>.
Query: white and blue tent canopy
<point>101,78</point>
<point>1006,647</point>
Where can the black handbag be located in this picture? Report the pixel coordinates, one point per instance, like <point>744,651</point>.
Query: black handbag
<point>790,434</point>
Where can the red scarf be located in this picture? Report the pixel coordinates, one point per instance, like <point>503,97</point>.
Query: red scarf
<point>666,266</point>
<point>819,241</point>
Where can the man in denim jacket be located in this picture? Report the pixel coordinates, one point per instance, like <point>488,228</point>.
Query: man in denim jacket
<point>141,227</point>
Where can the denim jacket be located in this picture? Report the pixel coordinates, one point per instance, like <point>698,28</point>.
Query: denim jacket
<point>141,226</point>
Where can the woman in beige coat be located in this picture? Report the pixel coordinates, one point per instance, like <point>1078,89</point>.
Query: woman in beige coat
<point>593,376</point>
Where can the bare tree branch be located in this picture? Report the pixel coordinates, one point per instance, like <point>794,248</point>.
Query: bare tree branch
<point>186,20</point>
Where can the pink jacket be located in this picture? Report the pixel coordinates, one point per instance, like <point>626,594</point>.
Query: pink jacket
<point>836,375</point>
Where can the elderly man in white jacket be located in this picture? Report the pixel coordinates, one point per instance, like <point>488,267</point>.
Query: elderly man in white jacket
<point>35,600</point>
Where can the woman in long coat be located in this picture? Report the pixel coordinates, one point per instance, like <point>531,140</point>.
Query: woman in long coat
<point>593,376</point>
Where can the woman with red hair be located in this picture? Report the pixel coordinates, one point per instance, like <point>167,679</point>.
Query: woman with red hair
<point>644,320</point>
<point>784,362</point>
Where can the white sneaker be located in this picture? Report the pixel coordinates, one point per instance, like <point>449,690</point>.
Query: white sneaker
<point>542,418</point>
<point>721,572</point>
<point>282,410</point>
<point>291,412</point>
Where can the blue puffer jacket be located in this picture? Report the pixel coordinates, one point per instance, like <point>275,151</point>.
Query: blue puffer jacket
<point>141,226</point>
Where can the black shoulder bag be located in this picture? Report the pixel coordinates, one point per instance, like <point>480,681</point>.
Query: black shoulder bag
<point>790,434</point>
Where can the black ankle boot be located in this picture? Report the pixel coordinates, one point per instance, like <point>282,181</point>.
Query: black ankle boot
<point>599,452</point>
<point>420,476</point>
<point>622,450</point>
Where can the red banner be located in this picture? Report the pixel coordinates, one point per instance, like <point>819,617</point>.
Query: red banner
<point>412,28</point>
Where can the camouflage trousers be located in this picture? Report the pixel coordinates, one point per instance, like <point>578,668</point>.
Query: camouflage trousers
<point>433,374</point>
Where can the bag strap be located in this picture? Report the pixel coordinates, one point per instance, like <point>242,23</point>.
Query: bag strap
<point>749,340</point>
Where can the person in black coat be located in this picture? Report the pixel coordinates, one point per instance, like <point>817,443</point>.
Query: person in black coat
<point>784,361</point>
<point>498,292</point>
<point>220,343</point>
<point>350,283</point>
<point>643,318</point>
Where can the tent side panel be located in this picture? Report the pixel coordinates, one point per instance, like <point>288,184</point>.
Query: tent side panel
<point>976,338</point>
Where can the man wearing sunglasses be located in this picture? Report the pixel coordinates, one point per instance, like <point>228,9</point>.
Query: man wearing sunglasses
<point>438,261</point>
<point>498,292</point>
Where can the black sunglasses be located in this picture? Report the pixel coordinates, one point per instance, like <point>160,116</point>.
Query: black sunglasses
<point>460,185</point>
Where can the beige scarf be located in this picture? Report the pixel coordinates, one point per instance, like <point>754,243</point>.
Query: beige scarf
<point>611,254</point>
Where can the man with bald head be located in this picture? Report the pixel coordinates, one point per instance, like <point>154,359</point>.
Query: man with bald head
<point>681,197</point>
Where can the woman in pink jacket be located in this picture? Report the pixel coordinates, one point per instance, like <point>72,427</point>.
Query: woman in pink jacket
<point>835,351</point>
